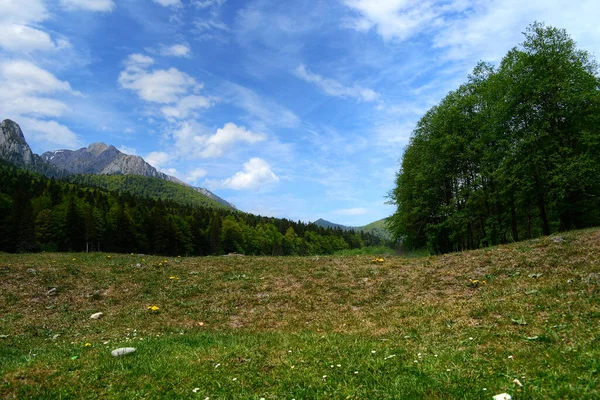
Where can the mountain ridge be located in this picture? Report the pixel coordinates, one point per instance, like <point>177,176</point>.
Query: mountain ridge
<point>96,159</point>
<point>376,227</point>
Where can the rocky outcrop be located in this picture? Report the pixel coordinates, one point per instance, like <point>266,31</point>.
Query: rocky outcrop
<point>213,196</point>
<point>13,147</point>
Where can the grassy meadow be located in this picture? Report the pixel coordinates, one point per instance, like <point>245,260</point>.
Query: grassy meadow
<point>522,319</point>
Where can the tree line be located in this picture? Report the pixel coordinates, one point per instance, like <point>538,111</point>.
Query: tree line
<point>39,213</point>
<point>511,154</point>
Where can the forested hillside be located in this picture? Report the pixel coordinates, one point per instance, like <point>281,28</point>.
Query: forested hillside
<point>511,154</point>
<point>147,187</point>
<point>38,213</point>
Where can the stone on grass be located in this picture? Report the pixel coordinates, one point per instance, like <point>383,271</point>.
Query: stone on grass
<point>97,315</point>
<point>122,351</point>
<point>502,396</point>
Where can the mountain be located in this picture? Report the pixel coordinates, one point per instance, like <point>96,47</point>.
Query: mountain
<point>15,150</point>
<point>102,159</point>
<point>214,197</point>
<point>13,147</point>
<point>326,224</point>
<point>377,228</point>
<point>98,159</point>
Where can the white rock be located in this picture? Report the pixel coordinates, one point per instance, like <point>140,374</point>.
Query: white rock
<point>97,315</point>
<point>122,351</point>
<point>502,396</point>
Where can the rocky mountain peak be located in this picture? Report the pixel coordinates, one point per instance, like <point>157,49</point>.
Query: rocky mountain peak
<point>13,146</point>
<point>97,148</point>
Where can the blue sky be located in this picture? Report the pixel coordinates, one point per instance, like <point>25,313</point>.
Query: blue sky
<point>296,109</point>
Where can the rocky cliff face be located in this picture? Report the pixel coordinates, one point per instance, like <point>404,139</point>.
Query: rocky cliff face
<point>13,146</point>
<point>102,159</point>
<point>213,196</point>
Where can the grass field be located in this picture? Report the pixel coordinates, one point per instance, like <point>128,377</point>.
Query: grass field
<point>522,319</point>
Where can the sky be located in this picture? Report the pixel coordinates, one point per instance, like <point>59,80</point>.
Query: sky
<point>294,109</point>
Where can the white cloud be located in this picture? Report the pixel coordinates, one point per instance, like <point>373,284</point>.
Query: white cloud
<point>476,29</point>
<point>13,11</point>
<point>191,144</point>
<point>352,211</point>
<point>176,50</point>
<point>400,19</point>
<point>208,3</point>
<point>157,159</point>
<point>170,171</point>
<point>128,150</point>
<point>89,5</point>
<point>195,175</point>
<point>168,3</point>
<point>335,88</point>
<point>185,106</point>
<point>49,134</point>
<point>256,174</point>
<point>24,39</point>
<point>24,87</point>
<point>157,86</point>
<point>478,35</point>
<point>27,77</point>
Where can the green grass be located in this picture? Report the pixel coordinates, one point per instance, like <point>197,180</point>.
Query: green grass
<point>406,328</point>
<point>369,250</point>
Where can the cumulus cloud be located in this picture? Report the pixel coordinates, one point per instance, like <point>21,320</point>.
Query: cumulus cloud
<point>26,87</point>
<point>185,106</point>
<point>157,86</point>
<point>17,35</point>
<point>19,38</point>
<point>13,11</point>
<point>157,159</point>
<point>257,173</point>
<point>335,88</point>
<point>192,144</point>
<point>89,5</point>
<point>49,134</point>
<point>176,50</point>
<point>195,175</point>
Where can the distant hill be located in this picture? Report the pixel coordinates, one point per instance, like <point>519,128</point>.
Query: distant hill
<point>103,166</point>
<point>376,228</point>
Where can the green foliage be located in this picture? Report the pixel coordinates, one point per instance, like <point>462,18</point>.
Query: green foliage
<point>38,213</point>
<point>511,154</point>
<point>147,187</point>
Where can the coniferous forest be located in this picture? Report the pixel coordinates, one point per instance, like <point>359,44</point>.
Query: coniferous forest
<point>39,213</point>
<point>512,154</point>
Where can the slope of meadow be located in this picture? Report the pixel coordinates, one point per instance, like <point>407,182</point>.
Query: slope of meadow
<point>467,325</point>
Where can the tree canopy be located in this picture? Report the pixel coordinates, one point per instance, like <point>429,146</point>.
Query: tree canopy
<point>511,154</point>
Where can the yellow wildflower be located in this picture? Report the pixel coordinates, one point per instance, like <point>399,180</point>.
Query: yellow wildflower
<point>88,344</point>
<point>153,308</point>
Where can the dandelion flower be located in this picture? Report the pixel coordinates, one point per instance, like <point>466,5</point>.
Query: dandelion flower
<point>153,308</point>
<point>171,277</point>
<point>88,344</point>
